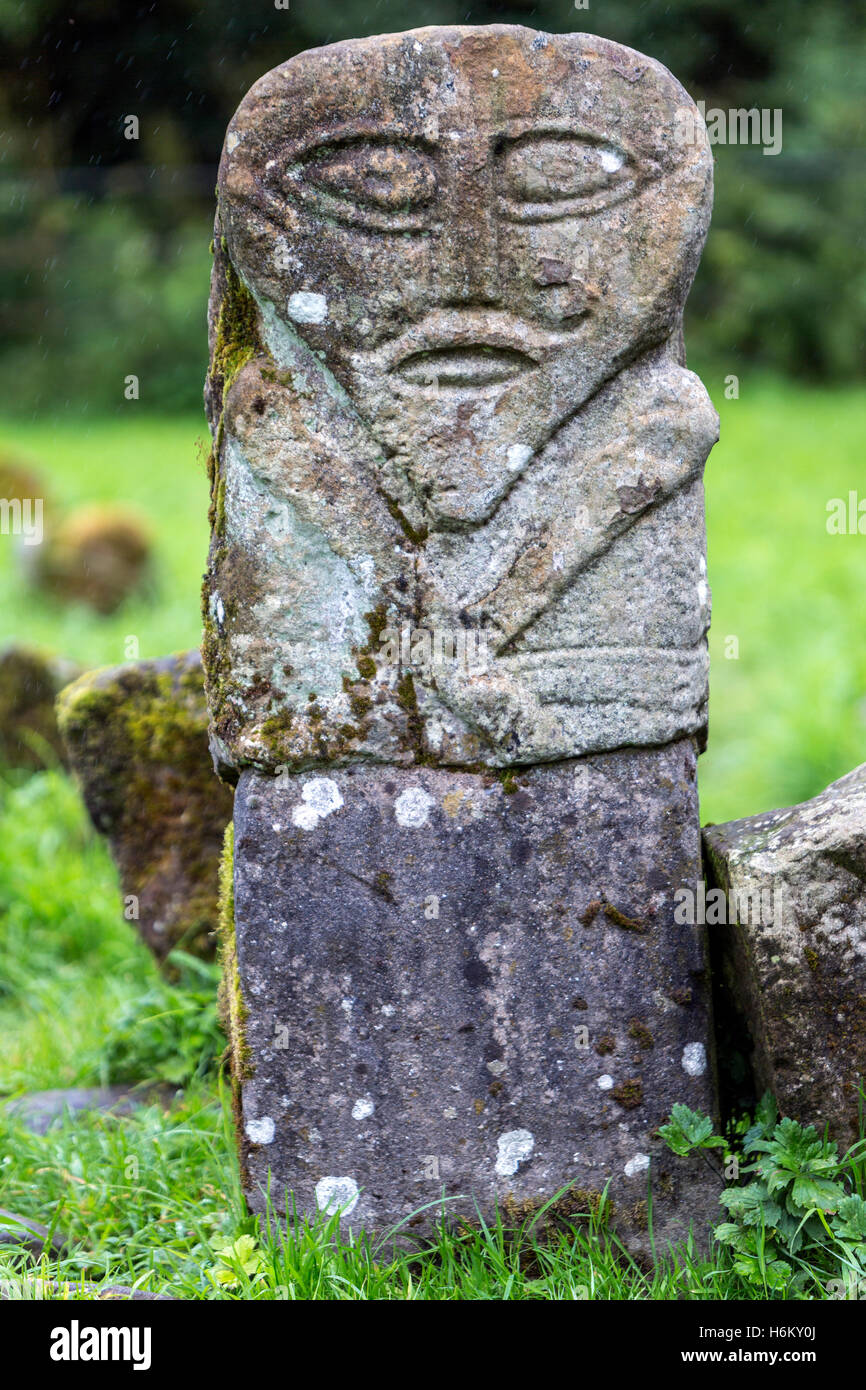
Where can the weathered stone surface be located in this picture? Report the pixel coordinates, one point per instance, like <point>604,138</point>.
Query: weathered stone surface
<point>29,684</point>
<point>448,982</point>
<point>137,740</point>
<point>448,399</point>
<point>796,958</point>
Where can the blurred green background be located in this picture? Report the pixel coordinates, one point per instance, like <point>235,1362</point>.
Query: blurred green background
<point>104,272</point>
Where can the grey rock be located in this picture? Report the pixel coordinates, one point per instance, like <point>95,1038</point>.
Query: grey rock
<point>31,1236</point>
<point>457,500</point>
<point>39,1110</point>
<point>21,1290</point>
<point>449,984</point>
<point>795,948</point>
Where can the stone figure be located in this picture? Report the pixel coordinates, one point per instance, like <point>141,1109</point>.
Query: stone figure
<point>449,398</point>
<point>455,614</point>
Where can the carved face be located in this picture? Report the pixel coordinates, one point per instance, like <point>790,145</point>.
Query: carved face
<point>474,229</point>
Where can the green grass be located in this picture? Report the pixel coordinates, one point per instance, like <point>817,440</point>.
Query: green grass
<point>154,1201</point>
<point>789,715</point>
<point>152,1198</point>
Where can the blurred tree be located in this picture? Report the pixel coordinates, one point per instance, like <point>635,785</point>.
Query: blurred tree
<point>104,255</point>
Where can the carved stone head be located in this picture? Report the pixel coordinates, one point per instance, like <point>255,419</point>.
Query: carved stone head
<point>474,246</point>
<point>476,228</point>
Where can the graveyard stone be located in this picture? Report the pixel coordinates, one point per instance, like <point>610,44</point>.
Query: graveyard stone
<point>455,617</point>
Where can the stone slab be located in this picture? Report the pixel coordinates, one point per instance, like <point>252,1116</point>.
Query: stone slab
<point>450,983</point>
<point>794,948</point>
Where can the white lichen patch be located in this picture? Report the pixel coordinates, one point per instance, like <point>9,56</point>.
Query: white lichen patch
<point>413,806</point>
<point>337,1195</point>
<point>363,1108</point>
<point>610,160</point>
<point>217,610</point>
<point>515,1148</point>
<point>319,797</point>
<point>638,1164</point>
<point>605,1082</point>
<point>517,456</point>
<point>305,306</point>
<point>694,1059</point>
<point>260,1131</point>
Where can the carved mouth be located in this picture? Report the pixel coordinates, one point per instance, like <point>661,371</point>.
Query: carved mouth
<point>464,365</point>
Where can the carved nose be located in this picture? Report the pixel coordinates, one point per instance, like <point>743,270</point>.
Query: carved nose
<point>469,247</point>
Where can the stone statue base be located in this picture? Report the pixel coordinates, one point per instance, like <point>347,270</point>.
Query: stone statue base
<point>470,987</point>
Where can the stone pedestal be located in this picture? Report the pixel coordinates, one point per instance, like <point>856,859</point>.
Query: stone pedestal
<point>466,987</point>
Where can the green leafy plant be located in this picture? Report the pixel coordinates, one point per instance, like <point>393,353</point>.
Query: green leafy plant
<point>239,1262</point>
<point>796,1212</point>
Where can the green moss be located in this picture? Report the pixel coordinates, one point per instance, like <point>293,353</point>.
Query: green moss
<point>629,1094</point>
<point>812,958</point>
<point>407,699</point>
<point>359,697</point>
<point>416,534</point>
<point>614,915</point>
<point>236,339</point>
<point>681,996</point>
<point>29,684</point>
<point>575,1202</point>
<point>376,621</point>
<point>276,729</point>
<point>382,881</point>
<point>638,1030</point>
<point>234,1011</point>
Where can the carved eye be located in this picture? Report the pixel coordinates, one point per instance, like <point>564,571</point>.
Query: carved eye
<point>384,186</point>
<point>543,177</point>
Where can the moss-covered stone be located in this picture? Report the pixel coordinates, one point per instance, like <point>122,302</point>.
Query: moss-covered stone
<point>29,684</point>
<point>137,741</point>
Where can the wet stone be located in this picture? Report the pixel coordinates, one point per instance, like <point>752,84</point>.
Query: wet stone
<point>449,406</point>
